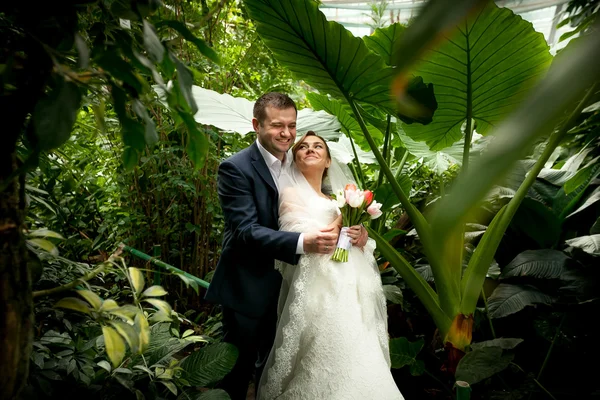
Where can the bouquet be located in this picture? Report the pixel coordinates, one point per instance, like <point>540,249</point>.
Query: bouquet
<point>357,206</point>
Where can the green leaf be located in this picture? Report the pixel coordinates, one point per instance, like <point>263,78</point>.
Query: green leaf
<point>484,69</point>
<point>185,78</point>
<point>595,228</point>
<point>322,53</point>
<point>54,115</point>
<point>150,135</point>
<point>128,312</point>
<point>438,161</point>
<point>393,294</point>
<point>415,281</point>
<point>538,222</point>
<point>92,298</point>
<point>44,245</point>
<point>161,305</point>
<point>482,363</point>
<point>131,157</point>
<point>152,43</point>
<point>197,145</point>
<point>171,386</point>
<point>112,62</point>
<point>189,282</point>
<point>384,41</point>
<point>141,326</point>
<point>189,36</point>
<point>385,195</point>
<point>114,344</point>
<point>129,334</point>
<point>403,352</point>
<point>109,305</point>
<point>213,394</point>
<point>392,233</point>
<point>590,244</point>
<point>105,364</point>
<point>591,199</point>
<point>154,291</point>
<point>83,51</point>
<point>508,299</point>
<point>137,279</point>
<point>503,343</point>
<point>335,107</point>
<point>546,263</point>
<point>73,303</point>
<point>583,176</point>
<point>45,233</point>
<point>209,364</point>
<point>417,368</point>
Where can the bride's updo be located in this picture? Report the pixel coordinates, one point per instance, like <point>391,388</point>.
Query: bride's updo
<point>297,147</point>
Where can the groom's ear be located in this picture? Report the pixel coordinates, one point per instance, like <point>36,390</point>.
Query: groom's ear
<point>255,124</point>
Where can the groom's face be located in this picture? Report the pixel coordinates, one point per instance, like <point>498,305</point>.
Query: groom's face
<point>277,132</point>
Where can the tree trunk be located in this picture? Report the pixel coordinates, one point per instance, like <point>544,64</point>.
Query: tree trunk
<point>16,304</point>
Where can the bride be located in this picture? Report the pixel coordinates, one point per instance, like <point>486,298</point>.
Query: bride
<point>331,341</point>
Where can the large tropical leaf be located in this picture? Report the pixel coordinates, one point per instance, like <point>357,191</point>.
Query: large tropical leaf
<point>322,53</point>
<point>480,72</point>
<point>343,113</point>
<point>546,263</point>
<point>482,363</point>
<point>590,244</point>
<point>209,364</point>
<point>589,200</point>
<point>538,222</point>
<point>342,151</point>
<point>403,352</point>
<point>234,114</point>
<point>508,299</point>
<point>384,41</point>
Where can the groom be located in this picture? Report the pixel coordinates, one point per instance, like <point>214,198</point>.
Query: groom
<point>245,282</point>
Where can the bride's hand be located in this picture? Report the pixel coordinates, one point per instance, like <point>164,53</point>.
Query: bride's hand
<point>359,235</point>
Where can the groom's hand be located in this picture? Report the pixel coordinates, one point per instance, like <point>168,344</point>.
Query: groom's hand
<point>322,242</point>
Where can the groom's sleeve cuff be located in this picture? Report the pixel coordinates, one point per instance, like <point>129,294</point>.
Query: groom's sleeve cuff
<point>300,245</point>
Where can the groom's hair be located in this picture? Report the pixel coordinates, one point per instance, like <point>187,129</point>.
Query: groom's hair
<point>276,100</point>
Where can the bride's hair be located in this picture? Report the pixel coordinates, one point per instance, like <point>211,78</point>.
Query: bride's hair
<point>297,147</point>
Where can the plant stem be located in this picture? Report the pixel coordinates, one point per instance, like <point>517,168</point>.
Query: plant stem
<point>539,375</point>
<point>71,285</point>
<point>435,378</point>
<point>535,381</point>
<point>386,149</point>
<point>402,162</point>
<point>359,169</point>
<point>487,313</point>
<point>416,217</point>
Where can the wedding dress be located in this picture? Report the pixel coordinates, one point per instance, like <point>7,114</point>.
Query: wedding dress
<point>331,341</point>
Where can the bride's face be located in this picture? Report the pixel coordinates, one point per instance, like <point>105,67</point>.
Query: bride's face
<point>312,155</point>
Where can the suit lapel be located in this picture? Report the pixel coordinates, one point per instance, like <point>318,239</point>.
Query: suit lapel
<point>259,164</point>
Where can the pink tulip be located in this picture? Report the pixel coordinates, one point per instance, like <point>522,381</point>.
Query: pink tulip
<point>374,210</point>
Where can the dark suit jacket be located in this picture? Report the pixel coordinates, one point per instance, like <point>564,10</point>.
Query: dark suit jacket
<point>245,278</point>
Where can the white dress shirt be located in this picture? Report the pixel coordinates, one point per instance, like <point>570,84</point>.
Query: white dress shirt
<point>275,166</point>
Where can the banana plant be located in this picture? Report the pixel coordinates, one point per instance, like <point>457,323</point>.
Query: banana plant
<point>484,65</point>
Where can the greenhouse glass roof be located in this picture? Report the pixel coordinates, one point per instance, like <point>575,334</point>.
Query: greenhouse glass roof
<point>360,17</point>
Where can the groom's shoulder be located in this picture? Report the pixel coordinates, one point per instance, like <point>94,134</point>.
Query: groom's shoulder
<point>240,158</point>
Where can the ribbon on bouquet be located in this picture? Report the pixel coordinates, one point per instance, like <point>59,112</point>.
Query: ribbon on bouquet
<point>343,246</point>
